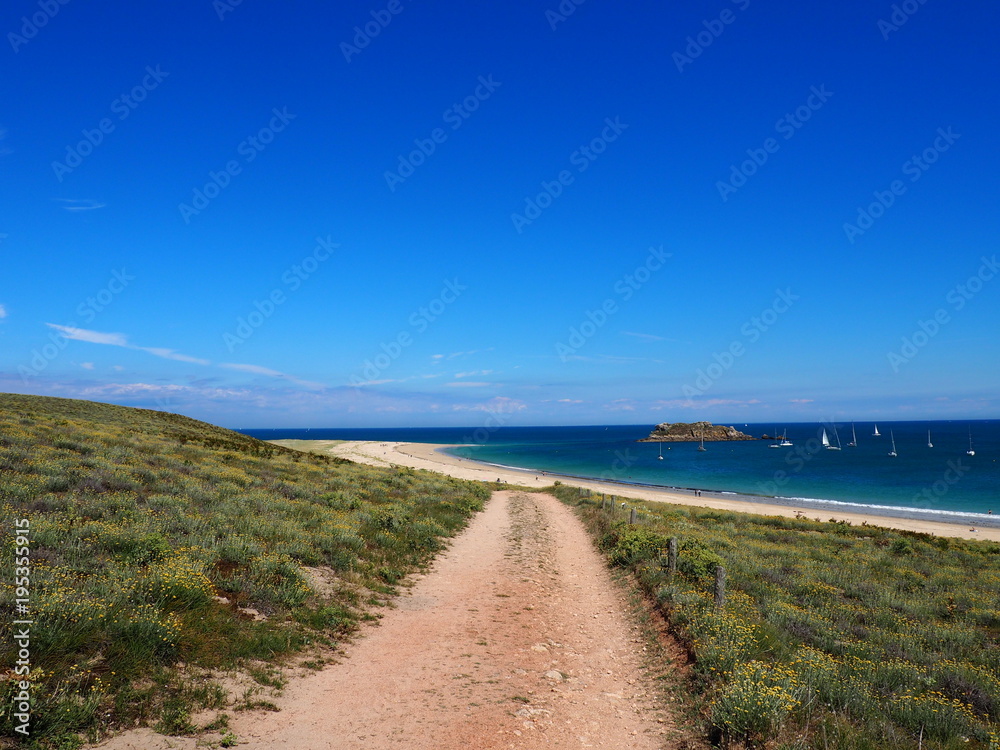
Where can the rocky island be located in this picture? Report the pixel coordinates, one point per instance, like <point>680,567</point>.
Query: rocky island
<point>684,432</point>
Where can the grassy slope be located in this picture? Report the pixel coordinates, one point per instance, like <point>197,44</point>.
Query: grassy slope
<point>139,519</point>
<point>832,636</point>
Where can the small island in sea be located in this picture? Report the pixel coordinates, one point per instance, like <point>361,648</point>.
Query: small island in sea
<point>686,432</point>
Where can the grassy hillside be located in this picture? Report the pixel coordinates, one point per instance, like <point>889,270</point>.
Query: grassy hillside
<point>831,637</point>
<point>159,541</point>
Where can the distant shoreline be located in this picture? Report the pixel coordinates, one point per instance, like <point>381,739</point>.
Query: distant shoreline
<point>891,511</point>
<point>434,457</point>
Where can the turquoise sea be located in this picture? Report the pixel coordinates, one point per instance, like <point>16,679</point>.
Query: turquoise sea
<point>941,481</point>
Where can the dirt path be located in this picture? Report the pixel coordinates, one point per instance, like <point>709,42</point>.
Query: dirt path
<point>514,639</point>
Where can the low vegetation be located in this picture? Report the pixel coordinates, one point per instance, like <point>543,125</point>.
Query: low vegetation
<point>831,636</point>
<point>165,551</point>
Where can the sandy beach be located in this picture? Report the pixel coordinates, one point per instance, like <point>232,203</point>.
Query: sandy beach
<point>430,456</point>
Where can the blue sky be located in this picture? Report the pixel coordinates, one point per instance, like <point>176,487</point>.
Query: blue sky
<point>268,215</point>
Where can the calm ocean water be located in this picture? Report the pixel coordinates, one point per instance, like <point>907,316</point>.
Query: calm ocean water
<point>940,481</point>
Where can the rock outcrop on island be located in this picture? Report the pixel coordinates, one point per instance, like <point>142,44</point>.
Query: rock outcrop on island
<point>684,432</point>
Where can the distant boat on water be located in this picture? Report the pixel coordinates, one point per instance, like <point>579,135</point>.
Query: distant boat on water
<point>970,452</point>
<point>661,451</point>
<point>929,443</point>
<point>785,442</point>
<point>893,438</point>
<point>702,446</point>
<point>826,442</point>
<point>877,433</point>
<point>775,445</point>
<point>854,438</point>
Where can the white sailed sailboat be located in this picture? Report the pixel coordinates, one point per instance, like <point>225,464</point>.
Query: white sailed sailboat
<point>825,439</point>
<point>661,451</point>
<point>893,451</point>
<point>970,452</point>
<point>877,433</point>
<point>775,445</point>
<point>854,438</point>
<point>702,446</point>
<point>929,443</point>
<point>836,437</point>
<point>785,442</point>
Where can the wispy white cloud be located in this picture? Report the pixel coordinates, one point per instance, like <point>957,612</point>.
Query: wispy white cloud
<point>121,340</point>
<point>473,373</point>
<point>171,354</point>
<point>92,337</point>
<point>87,365</point>
<point>453,355</point>
<point>73,204</point>
<point>268,372</point>
<point>800,400</point>
<point>158,390</point>
<point>643,336</point>
<point>468,384</point>
<point>498,404</point>
<point>3,312</point>
<point>621,404</point>
<point>569,401</point>
<point>688,403</point>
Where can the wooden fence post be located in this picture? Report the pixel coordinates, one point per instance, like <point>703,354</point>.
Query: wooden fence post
<point>633,516</point>
<point>720,586</point>
<point>672,556</point>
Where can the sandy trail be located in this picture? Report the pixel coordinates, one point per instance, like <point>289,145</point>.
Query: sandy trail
<point>515,638</point>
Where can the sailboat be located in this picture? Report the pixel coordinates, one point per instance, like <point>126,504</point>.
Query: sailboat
<point>970,452</point>
<point>785,442</point>
<point>877,433</point>
<point>835,435</point>
<point>893,451</point>
<point>825,439</point>
<point>854,438</point>
<point>661,451</point>
<point>929,443</point>
<point>775,445</point>
<point>702,446</point>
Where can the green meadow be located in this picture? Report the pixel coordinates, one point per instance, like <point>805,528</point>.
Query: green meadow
<point>831,636</point>
<point>166,552</point>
